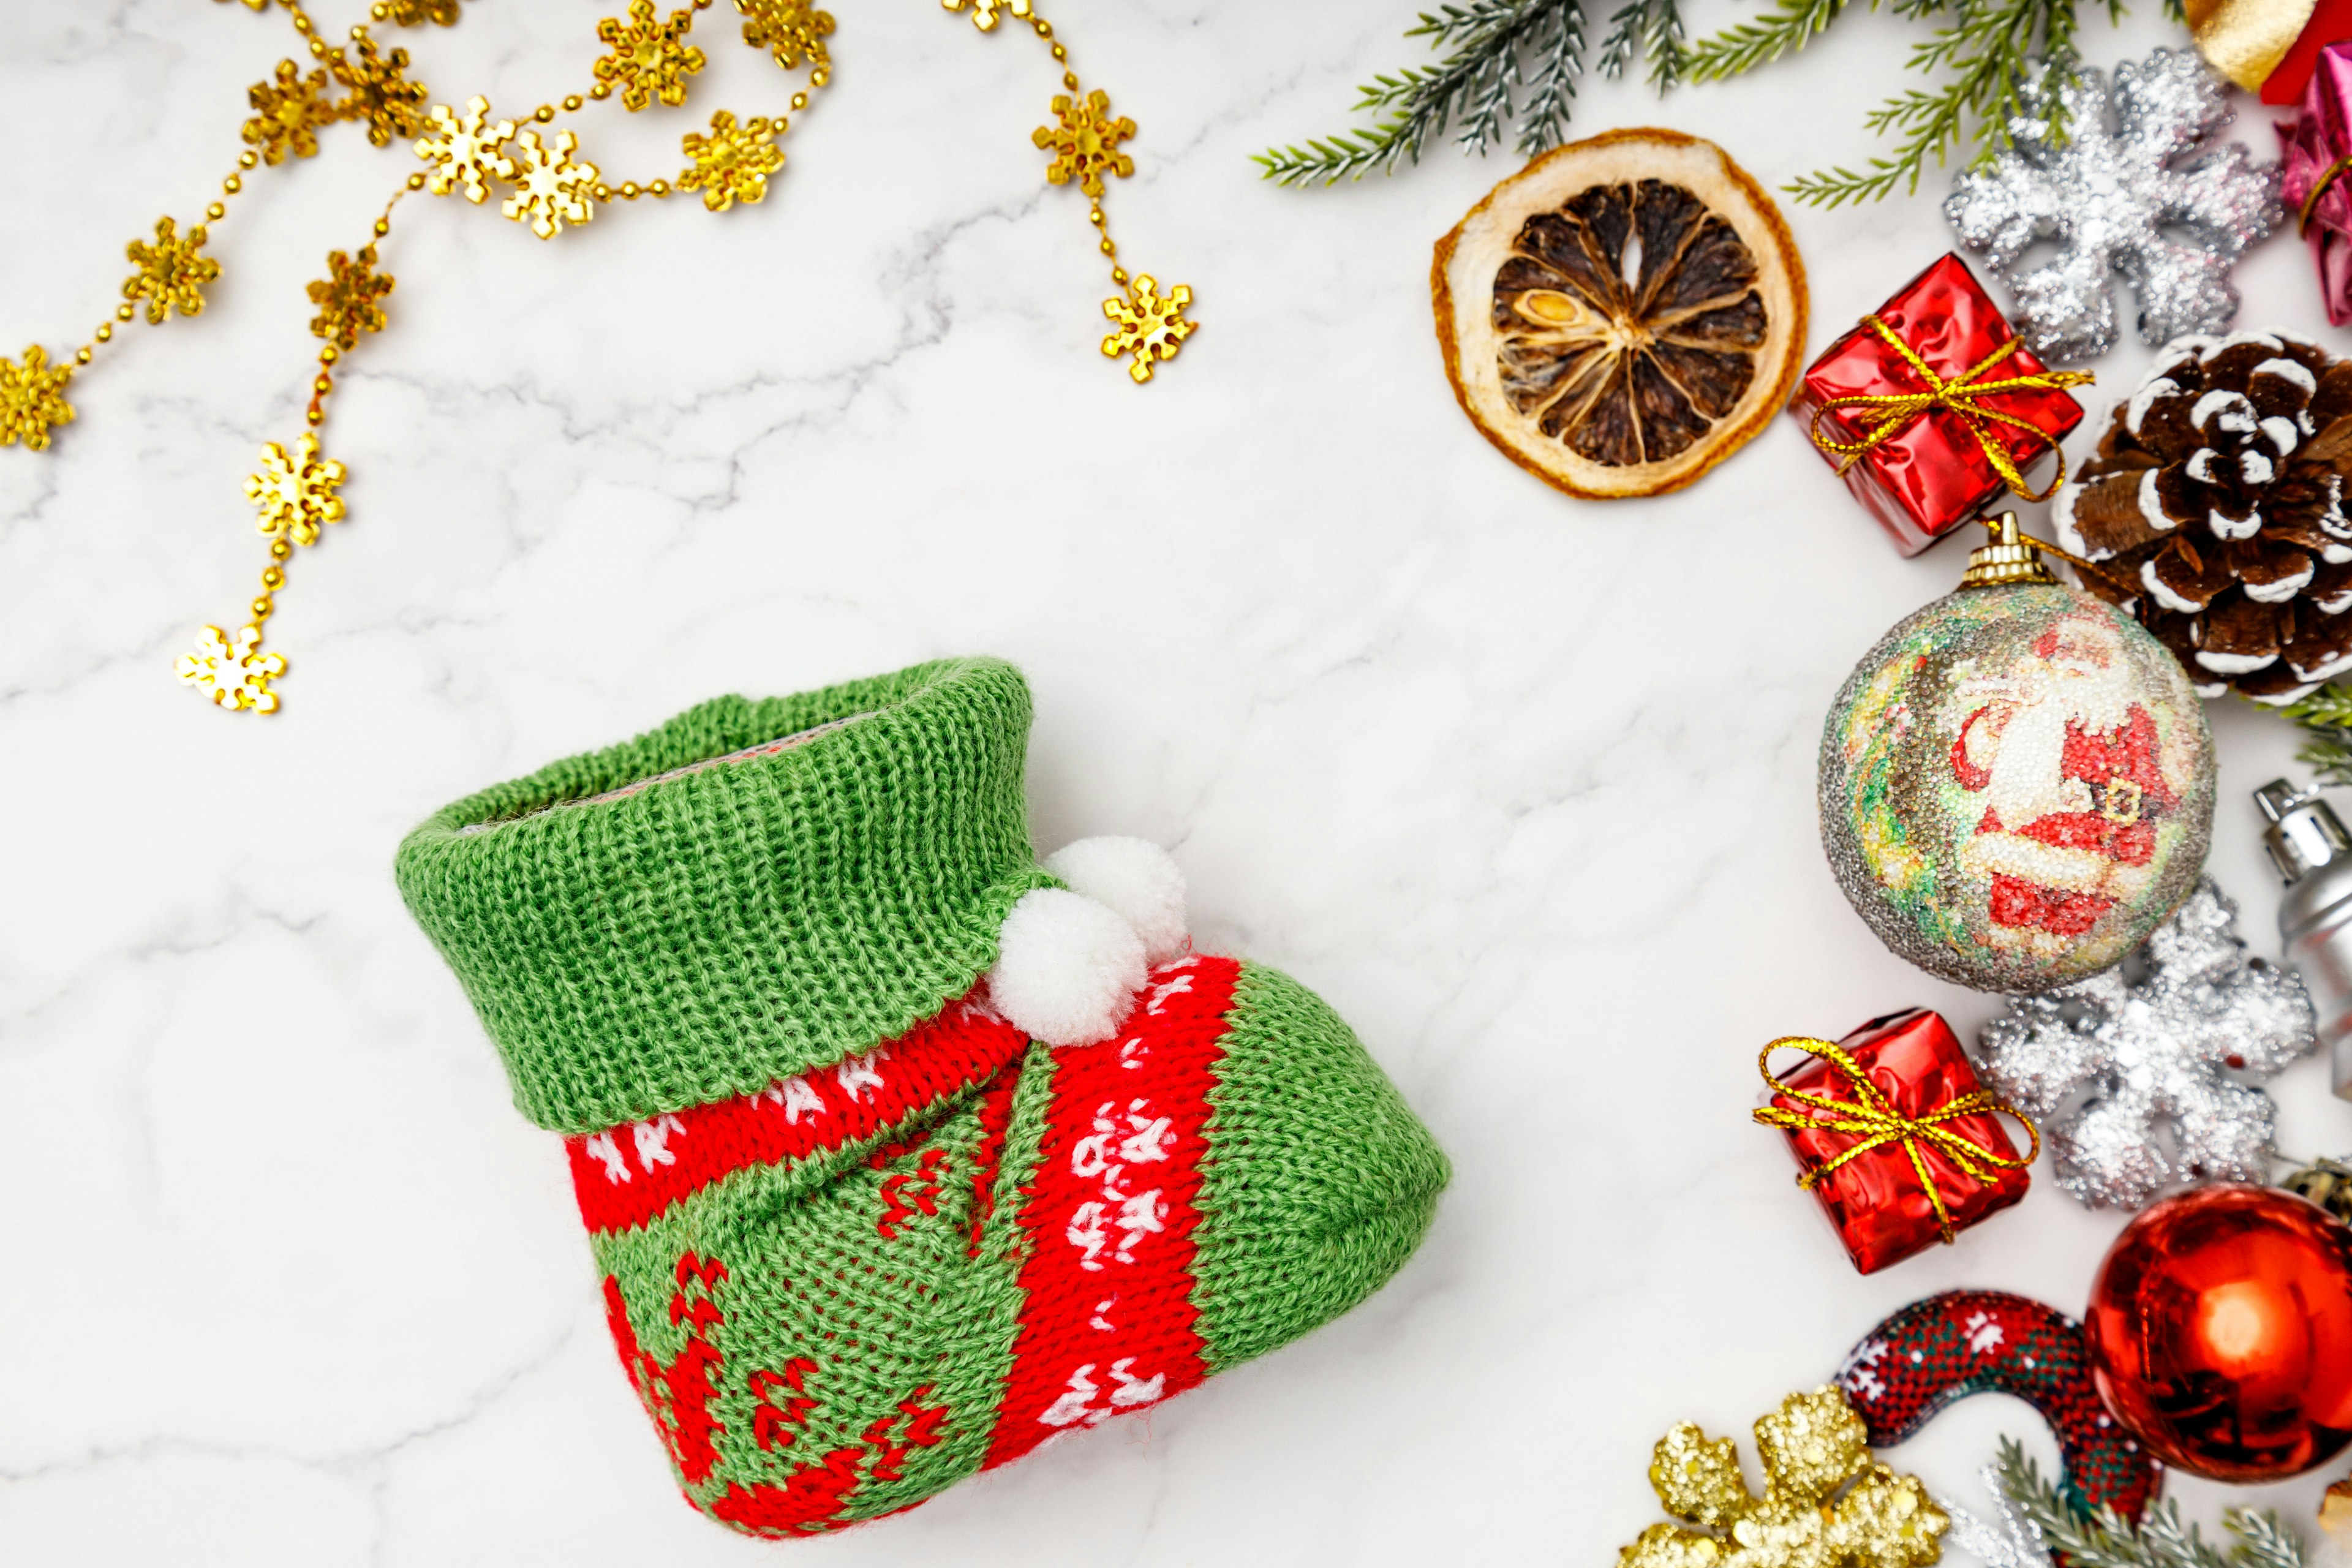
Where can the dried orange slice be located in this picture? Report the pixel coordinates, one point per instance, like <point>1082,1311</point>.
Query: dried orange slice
<point>1622,314</point>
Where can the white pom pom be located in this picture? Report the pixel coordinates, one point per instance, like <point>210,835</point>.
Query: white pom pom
<point>1137,879</point>
<point>1067,968</point>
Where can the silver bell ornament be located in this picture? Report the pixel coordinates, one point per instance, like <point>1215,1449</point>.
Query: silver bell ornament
<point>2017,782</point>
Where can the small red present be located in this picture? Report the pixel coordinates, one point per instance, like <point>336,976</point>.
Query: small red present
<point>1896,1136</point>
<point>1932,408</point>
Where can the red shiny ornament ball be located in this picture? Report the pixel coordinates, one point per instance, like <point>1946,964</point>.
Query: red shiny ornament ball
<point>2221,1332</point>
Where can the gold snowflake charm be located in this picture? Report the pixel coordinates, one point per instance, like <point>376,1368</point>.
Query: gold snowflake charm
<point>733,163</point>
<point>295,493</point>
<point>381,92</point>
<point>32,399</point>
<point>1812,1447</point>
<point>983,11</point>
<point>790,28</point>
<point>347,299</point>
<point>650,58</point>
<point>468,152</point>
<point>551,190</point>
<point>416,12</point>
<point>288,113</point>
<point>170,274</point>
<point>233,672</point>
<point>1086,143</point>
<point>1151,325</point>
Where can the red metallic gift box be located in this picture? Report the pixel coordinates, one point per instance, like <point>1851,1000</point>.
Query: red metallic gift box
<point>1932,474</point>
<point>1920,1107</point>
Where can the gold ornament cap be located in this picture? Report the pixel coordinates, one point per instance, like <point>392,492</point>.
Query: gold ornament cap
<point>2009,557</point>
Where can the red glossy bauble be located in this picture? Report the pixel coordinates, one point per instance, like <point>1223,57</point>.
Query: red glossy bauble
<point>2221,1332</point>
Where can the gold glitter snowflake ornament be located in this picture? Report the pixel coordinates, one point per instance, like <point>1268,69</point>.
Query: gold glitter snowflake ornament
<point>295,493</point>
<point>790,30</point>
<point>1826,1503</point>
<point>650,58</point>
<point>733,163</point>
<point>551,190</point>
<point>1086,143</point>
<point>347,299</point>
<point>32,399</point>
<point>1151,325</point>
<point>170,274</point>
<point>466,153</point>
<point>234,672</point>
<point>287,114</point>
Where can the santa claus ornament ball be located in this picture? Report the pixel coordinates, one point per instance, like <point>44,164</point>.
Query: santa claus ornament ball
<point>2017,782</point>
<point>2221,1332</point>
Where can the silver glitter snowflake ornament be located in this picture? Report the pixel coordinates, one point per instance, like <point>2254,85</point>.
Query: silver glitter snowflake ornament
<point>2117,207</point>
<point>2156,1050</point>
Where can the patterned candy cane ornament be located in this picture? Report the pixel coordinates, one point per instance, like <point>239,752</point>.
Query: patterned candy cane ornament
<point>1985,1342</point>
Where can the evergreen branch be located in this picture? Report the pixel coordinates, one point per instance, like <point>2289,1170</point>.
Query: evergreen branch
<point>1653,27</point>
<point>2105,1540</point>
<point>2326,715</point>
<point>1789,24</point>
<point>1497,47</point>
<point>1558,59</point>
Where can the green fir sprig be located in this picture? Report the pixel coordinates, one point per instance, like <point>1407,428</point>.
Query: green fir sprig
<point>1990,50</point>
<point>1496,48</point>
<point>1985,51</point>
<point>2105,1540</point>
<point>2326,716</point>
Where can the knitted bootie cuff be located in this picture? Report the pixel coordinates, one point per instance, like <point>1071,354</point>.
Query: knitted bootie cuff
<point>641,934</point>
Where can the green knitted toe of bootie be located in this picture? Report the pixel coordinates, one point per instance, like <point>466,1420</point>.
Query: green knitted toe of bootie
<point>858,1235</point>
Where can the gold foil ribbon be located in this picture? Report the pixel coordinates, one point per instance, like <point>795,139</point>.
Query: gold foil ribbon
<point>1874,1120</point>
<point>1890,412</point>
<point>2245,39</point>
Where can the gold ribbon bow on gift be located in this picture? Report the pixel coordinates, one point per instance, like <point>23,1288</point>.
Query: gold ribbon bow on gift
<point>1888,413</point>
<point>1873,1118</point>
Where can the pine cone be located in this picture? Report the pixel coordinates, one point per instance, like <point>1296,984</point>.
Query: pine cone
<point>2219,492</point>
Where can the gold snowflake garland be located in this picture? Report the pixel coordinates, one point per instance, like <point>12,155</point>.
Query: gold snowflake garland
<point>234,672</point>
<point>288,112</point>
<point>381,91</point>
<point>348,299</point>
<point>468,151</point>
<point>296,492</point>
<point>171,274</point>
<point>546,185</point>
<point>32,399</point>
<point>414,13</point>
<point>551,190</point>
<point>1826,1503</point>
<point>790,30</point>
<point>1150,325</point>
<point>650,58</point>
<point>733,163</point>
<point>1085,142</point>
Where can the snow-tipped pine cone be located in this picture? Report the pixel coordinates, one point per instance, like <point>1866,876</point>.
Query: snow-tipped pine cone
<point>2219,491</point>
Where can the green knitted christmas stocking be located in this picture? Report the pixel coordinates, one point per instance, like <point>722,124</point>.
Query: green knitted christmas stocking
<point>899,1152</point>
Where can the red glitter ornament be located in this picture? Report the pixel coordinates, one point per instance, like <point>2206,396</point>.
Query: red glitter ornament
<point>2221,1332</point>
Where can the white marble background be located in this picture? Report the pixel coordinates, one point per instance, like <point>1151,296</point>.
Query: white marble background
<point>1523,786</point>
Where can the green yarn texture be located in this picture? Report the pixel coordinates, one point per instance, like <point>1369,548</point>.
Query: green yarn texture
<point>1319,1179</point>
<point>716,931</point>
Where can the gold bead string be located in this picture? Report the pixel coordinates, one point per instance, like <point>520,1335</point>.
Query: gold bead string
<point>295,490</point>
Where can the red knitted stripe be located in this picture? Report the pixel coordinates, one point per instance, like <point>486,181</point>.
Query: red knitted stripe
<point>628,1175</point>
<point>1107,1320</point>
